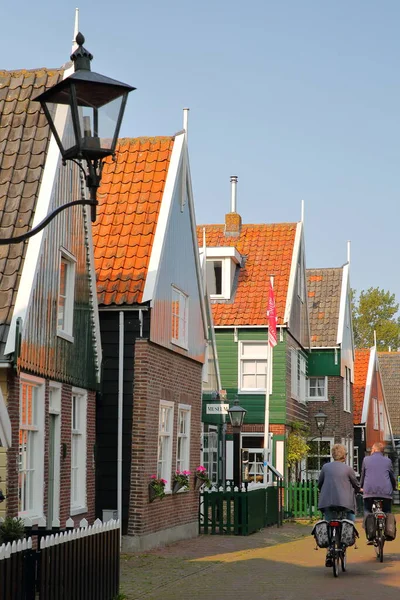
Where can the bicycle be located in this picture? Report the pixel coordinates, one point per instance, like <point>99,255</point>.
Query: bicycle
<point>336,549</point>
<point>380,525</point>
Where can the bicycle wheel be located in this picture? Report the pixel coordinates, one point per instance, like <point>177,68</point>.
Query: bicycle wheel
<point>381,544</point>
<point>336,561</point>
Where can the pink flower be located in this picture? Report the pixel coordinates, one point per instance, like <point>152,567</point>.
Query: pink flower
<point>153,476</point>
<point>201,469</point>
<point>164,481</point>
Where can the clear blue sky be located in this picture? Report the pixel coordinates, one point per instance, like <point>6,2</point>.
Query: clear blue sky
<point>299,98</point>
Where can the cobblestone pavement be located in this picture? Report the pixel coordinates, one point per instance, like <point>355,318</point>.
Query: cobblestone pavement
<point>273,564</point>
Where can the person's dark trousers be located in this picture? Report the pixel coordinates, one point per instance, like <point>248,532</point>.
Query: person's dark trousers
<point>386,505</point>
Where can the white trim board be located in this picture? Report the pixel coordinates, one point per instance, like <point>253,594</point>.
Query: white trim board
<point>293,269</point>
<point>368,384</point>
<point>342,307</point>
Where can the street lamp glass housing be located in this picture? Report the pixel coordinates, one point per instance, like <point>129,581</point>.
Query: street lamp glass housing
<point>320,420</point>
<point>88,120</point>
<point>236,414</point>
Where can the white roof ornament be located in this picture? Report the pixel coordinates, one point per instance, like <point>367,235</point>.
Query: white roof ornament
<point>76,30</point>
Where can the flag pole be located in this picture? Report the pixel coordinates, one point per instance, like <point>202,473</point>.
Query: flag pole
<point>271,314</point>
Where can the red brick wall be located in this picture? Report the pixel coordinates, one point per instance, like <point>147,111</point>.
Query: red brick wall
<point>161,375</point>
<point>65,463</point>
<point>339,423</point>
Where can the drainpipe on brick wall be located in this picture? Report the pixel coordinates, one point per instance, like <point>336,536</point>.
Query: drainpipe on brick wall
<point>120,417</point>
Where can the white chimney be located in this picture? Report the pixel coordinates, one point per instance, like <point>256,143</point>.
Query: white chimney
<point>233,193</point>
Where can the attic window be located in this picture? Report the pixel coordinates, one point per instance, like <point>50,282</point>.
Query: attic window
<point>66,294</point>
<point>220,270</point>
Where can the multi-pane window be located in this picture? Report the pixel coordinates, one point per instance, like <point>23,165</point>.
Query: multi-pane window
<point>375,411</point>
<point>318,455</point>
<point>66,291</point>
<point>165,432</point>
<point>31,437</point>
<point>252,366</point>
<point>356,466</point>
<point>214,277</point>
<point>210,454</point>
<point>347,390</point>
<point>180,306</point>
<point>183,438</point>
<point>298,375</point>
<point>78,451</point>
<point>317,388</point>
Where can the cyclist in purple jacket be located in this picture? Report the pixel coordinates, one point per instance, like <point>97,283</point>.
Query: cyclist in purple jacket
<point>377,479</point>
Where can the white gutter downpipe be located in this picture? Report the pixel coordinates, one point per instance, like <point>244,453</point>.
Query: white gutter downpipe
<point>234,180</point>
<point>120,417</point>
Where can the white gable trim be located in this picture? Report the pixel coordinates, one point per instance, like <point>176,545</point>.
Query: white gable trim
<point>293,269</point>
<point>35,242</point>
<point>368,384</point>
<point>343,303</point>
<point>163,218</point>
<point>179,158</point>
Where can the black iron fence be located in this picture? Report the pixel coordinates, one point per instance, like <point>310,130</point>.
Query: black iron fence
<point>82,564</point>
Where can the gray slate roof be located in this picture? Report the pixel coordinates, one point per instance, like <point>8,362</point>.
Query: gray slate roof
<point>323,292</point>
<point>24,137</point>
<point>389,363</point>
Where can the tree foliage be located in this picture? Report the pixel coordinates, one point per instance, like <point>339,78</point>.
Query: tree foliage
<point>297,448</point>
<point>375,310</point>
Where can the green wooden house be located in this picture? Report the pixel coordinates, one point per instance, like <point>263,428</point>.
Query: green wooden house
<point>240,259</point>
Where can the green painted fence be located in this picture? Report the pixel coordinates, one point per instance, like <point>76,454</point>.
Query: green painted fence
<point>224,511</point>
<point>302,499</point>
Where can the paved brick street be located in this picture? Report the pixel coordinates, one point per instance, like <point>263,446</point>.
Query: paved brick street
<point>275,564</point>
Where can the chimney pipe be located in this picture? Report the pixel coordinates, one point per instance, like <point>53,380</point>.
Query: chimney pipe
<point>233,193</point>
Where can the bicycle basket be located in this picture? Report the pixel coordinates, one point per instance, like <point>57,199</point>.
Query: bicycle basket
<point>390,527</point>
<point>348,533</point>
<point>320,533</point>
<point>370,527</point>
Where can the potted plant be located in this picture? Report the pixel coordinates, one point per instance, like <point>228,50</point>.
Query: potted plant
<point>11,529</point>
<point>156,488</point>
<point>201,477</point>
<point>181,480</point>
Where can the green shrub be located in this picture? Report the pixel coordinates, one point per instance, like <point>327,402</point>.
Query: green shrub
<point>11,529</point>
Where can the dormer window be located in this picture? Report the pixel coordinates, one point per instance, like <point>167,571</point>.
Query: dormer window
<point>221,266</point>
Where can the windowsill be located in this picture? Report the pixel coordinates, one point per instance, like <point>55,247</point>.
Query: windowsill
<point>317,399</point>
<point>65,336</point>
<point>252,392</point>
<point>78,510</point>
<point>32,517</point>
<point>176,343</point>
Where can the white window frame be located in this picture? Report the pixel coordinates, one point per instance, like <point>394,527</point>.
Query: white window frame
<point>315,472</point>
<point>35,452</point>
<point>323,398</point>
<point>164,467</point>
<point>228,268</point>
<point>65,330</point>
<point>241,358</point>
<point>298,375</point>
<point>375,413</point>
<point>346,390</point>
<point>182,317</point>
<point>183,462</point>
<point>78,451</point>
<point>210,452</point>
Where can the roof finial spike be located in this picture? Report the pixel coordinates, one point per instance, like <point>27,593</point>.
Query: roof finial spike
<point>374,338</point>
<point>186,120</point>
<point>76,30</point>
<point>348,251</point>
<point>302,211</point>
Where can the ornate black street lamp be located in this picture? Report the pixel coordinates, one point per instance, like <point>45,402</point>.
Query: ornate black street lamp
<point>320,421</point>
<point>236,415</point>
<point>86,126</point>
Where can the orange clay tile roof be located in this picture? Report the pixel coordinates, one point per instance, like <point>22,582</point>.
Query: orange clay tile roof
<point>360,379</point>
<point>266,250</point>
<point>129,198</point>
<point>324,289</point>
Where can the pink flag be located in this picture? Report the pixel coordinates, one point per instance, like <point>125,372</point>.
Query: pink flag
<point>272,341</point>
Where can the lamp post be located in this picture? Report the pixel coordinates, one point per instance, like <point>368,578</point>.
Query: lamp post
<point>320,421</point>
<point>236,416</point>
<point>85,126</point>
